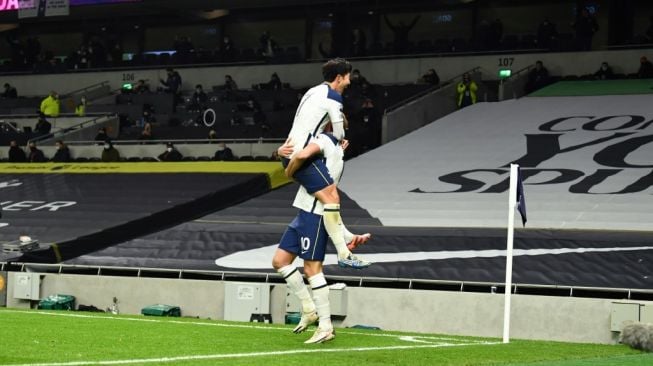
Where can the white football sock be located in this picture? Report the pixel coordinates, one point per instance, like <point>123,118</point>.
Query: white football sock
<point>347,234</point>
<point>333,226</point>
<point>296,284</point>
<point>321,297</point>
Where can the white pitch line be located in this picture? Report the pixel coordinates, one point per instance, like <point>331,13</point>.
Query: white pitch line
<point>243,326</point>
<point>244,355</point>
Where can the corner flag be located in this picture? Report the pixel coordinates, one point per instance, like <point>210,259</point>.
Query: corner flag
<point>515,199</point>
<point>521,198</point>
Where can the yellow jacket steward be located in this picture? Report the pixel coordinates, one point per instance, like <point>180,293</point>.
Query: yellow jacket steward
<point>462,89</point>
<point>50,106</point>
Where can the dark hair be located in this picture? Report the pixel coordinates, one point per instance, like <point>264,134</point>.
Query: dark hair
<point>335,67</point>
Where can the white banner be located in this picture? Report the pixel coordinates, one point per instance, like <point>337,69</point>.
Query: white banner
<point>28,8</point>
<point>57,8</point>
<point>587,163</point>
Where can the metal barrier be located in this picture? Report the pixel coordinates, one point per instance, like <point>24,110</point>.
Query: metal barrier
<point>354,281</point>
<point>423,108</point>
<point>81,130</point>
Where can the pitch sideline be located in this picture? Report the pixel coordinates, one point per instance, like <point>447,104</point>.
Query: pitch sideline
<point>404,337</point>
<point>253,354</point>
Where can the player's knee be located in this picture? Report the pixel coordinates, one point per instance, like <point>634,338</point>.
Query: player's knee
<point>309,271</point>
<point>330,194</point>
<point>311,268</point>
<point>279,262</point>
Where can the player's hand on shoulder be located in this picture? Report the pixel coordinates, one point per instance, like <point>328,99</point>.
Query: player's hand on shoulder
<point>344,143</point>
<point>286,149</point>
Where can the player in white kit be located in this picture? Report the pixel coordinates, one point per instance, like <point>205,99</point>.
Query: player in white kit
<point>306,238</point>
<point>321,105</point>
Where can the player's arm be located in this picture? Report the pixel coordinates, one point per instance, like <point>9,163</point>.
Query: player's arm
<point>337,119</point>
<point>338,129</point>
<point>298,160</point>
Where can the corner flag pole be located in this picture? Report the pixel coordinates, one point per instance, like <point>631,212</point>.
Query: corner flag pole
<point>512,202</point>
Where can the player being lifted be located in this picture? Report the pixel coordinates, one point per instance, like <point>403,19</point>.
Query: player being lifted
<point>306,237</point>
<point>321,105</point>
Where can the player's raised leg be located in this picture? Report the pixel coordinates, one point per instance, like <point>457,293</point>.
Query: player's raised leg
<point>333,224</point>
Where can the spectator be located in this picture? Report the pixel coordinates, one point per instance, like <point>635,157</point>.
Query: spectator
<point>227,49</point>
<point>547,34</point>
<point>63,153</point>
<point>42,127</point>
<point>466,91</point>
<point>358,83</point>
<point>35,154</point>
<point>604,73</point>
<point>16,154</point>
<point>223,153</point>
<point>173,81</point>
<point>146,133</point>
<point>110,153</point>
<point>359,89</point>
<point>141,87</point>
<point>585,26</point>
<point>230,87</point>
<point>401,31</point>
<point>431,77</point>
<point>80,109</point>
<point>212,136</point>
<point>251,105</point>
<point>372,125</point>
<point>198,99</point>
<point>358,47</point>
<point>268,46</point>
<point>171,153</point>
<point>50,105</point>
<point>274,83</point>
<point>101,134</point>
<point>173,86</point>
<point>645,68</point>
<point>229,83</point>
<point>10,92</point>
<point>537,78</point>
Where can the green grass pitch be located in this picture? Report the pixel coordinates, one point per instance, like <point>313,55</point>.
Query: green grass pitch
<point>29,337</point>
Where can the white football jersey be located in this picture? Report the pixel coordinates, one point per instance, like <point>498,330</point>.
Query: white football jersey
<point>334,155</point>
<point>319,106</point>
